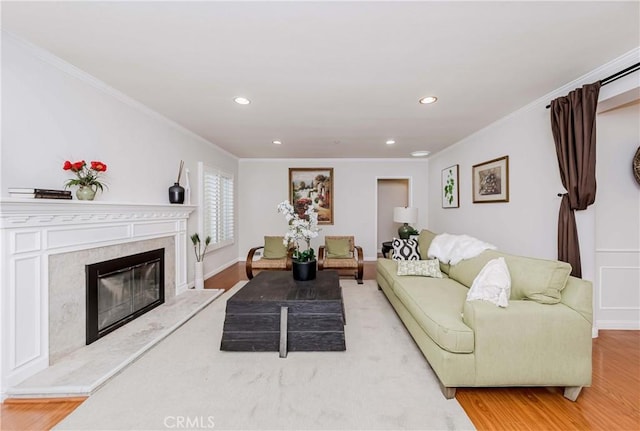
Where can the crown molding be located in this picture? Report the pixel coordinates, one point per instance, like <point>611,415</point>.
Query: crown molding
<point>333,160</point>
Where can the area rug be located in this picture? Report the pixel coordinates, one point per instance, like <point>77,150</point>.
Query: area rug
<point>381,382</point>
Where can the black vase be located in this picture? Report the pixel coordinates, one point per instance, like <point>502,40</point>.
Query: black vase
<point>304,271</point>
<point>176,194</point>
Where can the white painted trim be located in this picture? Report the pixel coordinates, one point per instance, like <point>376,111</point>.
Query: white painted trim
<point>600,290</point>
<point>626,325</point>
<point>52,227</point>
<point>326,160</point>
<point>375,218</point>
<point>80,74</point>
<point>617,250</point>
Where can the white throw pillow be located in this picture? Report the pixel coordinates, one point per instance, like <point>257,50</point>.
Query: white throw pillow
<point>492,284</point>
<point>423,268</point>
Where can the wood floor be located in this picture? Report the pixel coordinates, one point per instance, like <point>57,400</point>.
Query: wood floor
<point>611,403</point>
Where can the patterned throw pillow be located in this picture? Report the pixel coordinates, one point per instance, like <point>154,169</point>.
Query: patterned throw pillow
<point>424,268</point>
<point>405,249</point>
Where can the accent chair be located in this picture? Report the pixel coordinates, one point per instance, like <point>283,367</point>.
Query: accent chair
<point>341,253</point>
<point>275,256</point>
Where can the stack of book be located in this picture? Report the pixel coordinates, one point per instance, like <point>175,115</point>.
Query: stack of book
<point>27,193</point>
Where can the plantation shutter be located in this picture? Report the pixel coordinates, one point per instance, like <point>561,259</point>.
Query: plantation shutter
<point>226,218</point>
<point>217,206</point>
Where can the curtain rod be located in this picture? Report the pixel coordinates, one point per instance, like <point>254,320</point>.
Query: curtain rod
<point>616,76</point>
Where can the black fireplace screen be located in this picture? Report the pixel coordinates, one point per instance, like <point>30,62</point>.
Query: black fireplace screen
<point>122,289</point>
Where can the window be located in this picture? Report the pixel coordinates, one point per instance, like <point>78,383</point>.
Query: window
<point>216,205</point>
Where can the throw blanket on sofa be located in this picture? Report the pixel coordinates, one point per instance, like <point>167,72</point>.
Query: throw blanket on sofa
<point>454,248</point>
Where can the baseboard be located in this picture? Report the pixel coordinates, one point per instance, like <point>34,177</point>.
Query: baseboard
<point>628,325</point>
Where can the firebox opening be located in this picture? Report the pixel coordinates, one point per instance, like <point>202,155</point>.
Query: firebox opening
<point>122,289</point>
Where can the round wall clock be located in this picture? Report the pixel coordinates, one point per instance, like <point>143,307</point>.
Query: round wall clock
<point>636,165</point>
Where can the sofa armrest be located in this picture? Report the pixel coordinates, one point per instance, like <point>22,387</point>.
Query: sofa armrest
<point>529,343</point>
<point>578,294</point>
<point>321,257</point>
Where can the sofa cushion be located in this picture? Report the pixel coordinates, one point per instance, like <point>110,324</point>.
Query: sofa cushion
<point>274,247</point>
<point>424,241</point>
<point>539,280</point>
<point>436,304</point>
<point>405,249</point>
<point>423,268</point>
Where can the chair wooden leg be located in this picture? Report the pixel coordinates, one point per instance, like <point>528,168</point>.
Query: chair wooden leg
<point>359,274</point>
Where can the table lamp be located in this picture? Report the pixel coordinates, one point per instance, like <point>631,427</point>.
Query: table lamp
<point>405,215</point>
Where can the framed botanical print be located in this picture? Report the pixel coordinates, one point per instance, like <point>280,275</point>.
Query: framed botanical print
<point>312,186</point>
<point>450,187</point>
<point>491,181</point>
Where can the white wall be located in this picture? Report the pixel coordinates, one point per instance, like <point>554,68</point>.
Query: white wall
<point>51,112</point>
<point>618,220</point>
<point>264,184</point>
<point>527,224</point>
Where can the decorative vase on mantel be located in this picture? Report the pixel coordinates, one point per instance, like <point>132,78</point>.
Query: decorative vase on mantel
<point>85,193</point>
<point>199,276</point>
<point>176,191</point>
<point>304,271</point>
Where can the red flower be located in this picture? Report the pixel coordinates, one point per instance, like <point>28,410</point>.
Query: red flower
<point>85,176</point>
<point>98,166</point>
<point>78,165</point>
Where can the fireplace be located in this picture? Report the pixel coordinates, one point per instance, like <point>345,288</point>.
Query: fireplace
<point>120,290</point>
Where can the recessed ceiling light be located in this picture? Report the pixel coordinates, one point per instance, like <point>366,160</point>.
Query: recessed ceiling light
<point>420,153</point>
<point>390,142</point>
<point>242,100</point>
<point>428,99</point>
<point>277,142</point>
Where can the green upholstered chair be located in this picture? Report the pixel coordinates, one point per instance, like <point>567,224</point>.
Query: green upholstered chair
<point>341,253</point>
<point>275,256</point>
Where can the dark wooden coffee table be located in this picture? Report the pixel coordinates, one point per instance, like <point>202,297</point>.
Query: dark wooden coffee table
<point>273,312</point>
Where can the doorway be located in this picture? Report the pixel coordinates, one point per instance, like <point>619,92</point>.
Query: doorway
<point>392,192</point>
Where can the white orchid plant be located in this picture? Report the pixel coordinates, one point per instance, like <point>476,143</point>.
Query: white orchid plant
<point>301,228</point>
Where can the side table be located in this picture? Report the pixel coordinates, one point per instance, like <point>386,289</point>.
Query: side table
<point>387,246</point>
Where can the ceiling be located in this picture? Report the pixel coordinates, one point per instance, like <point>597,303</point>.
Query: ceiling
<point>331,79</point>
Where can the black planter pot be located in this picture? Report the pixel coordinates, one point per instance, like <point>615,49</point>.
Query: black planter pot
<point>304,271</point>
<point>176,194</point>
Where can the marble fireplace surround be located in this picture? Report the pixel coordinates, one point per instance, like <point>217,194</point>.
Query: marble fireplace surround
<point>45,241</point>
<point>67,290</point>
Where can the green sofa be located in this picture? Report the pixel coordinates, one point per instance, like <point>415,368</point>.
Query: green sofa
<point>543,337</point>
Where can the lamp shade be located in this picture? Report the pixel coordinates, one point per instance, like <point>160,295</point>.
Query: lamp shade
<point>405,215</point>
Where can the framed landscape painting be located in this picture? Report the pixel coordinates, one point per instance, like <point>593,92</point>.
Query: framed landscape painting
<point>450,187</point>
<point>491,181</point>
<point>312,186</point>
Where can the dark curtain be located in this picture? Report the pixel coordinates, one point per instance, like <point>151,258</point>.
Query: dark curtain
<point>573,122</point>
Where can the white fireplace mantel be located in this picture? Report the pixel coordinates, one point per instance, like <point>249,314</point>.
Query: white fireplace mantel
<point>33,229</point>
